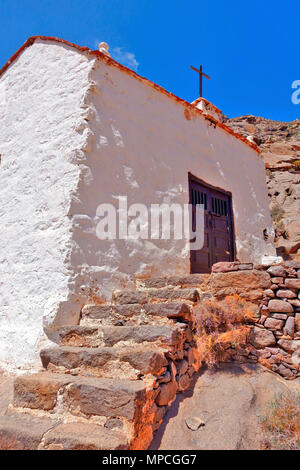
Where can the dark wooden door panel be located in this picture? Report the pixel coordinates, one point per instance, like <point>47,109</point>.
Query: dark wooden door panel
<point>218,227</point>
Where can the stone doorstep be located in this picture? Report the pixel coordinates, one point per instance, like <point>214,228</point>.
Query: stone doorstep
<point>92,396</point>
<point>230,266</point>
<point>125,312</point>
<point>144,296</point>
<point>19,431</point>
<point>166,335</point>
<point>143,359</point>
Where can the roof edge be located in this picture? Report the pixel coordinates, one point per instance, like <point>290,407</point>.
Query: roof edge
<point>190,109</point>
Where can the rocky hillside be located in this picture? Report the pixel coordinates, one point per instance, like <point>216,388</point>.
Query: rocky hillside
<point>280,145</point>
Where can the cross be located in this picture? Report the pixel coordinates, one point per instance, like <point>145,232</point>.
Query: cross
<point>200,78</point>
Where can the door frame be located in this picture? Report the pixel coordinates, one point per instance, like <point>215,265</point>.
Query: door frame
<point>194,178</point>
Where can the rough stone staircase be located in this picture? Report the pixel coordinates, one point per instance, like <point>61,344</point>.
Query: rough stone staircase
<point>109,381</point>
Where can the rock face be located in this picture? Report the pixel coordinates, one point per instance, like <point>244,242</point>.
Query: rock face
<point>223,410</point>
<point>280,145</point>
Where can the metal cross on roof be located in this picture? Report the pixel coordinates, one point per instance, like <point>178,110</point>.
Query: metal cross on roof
<point>201,74</point>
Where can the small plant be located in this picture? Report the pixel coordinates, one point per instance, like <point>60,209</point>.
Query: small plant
<point>281,423</point>
<point>277,213</point>
<point>220,326</point>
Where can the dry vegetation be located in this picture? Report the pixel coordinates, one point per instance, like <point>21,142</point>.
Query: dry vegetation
<point>220,326</point>
<point>281,424</point>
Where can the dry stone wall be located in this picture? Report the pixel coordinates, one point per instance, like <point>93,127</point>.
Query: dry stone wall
<point>275,337</point>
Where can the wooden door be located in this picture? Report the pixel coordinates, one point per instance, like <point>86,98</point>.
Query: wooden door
<point>218,226</point>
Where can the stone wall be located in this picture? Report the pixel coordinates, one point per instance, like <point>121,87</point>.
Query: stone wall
<point>276,336</point>
<point>274,339</point>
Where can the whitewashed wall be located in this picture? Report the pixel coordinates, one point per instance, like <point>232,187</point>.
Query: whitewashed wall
<point>75,133</point>
<point>42,130</point>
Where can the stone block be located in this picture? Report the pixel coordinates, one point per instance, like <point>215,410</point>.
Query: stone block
<point>225,267</point>
<point>147,361</point>
<point>297,321</point>
<point>167,393</point>
<point>192,280</point>
<point>107,397</point>
<point>170,310</point>
<point>260,338</point>
<point>279,316</point>
<point>277,271</point>
<point>96,311</point>
<point>130,297</point>
<point>289,328</point>
<point>292,283</point>
<point>274,323</point>
<point>170,294</point>
<point>287,294</point>
<point>182,367</point>
<point>183,382</point>
<point>19,431</point>
<point>284,371</point>
<point>167,335</point>
<point>82,436</point>
<point>38,391</point>
<point>73,357</point>
<point>280,306</point>
<point>289,345</point>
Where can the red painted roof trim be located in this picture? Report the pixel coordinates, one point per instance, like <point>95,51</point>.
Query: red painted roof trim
<point>190,109</point>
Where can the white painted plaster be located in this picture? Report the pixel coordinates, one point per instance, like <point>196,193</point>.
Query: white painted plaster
<point>144,147</point>
<point>42,131</point>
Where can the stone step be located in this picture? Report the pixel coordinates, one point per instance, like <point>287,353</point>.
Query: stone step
<point>86,336</point>
<point>90,396</point>
<point>167,294</point>
<point>82,436</point>
<point>192,280</point>
<point>106,362</point>
<point>20,431</point>
<point>134,314</point>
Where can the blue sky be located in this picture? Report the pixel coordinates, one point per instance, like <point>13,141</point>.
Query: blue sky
<point>250,49</point>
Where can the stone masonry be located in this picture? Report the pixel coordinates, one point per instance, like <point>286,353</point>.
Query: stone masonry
<point>274,339</point>
<point>110,379</point>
